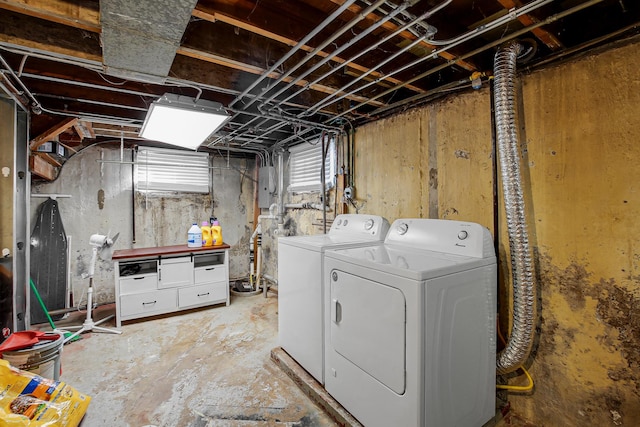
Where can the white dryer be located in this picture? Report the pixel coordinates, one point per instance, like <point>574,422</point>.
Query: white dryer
<point>300,299</point>
<point>410,326</point>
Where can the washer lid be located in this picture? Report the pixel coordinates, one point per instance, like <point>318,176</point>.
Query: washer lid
<point>319,242</point>
<point>411,263</point>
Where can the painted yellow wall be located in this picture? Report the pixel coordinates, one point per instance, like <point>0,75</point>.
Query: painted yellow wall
<point>7,131</point>
<point>581,130</point>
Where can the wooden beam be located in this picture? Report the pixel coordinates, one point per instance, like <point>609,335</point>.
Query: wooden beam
<point>84,130</point>
<point>213,16</point>
<point>52,132</point>
<point>72,13</point>
<point>543,35</point>
<point>39,166</point>
<point>391,27</point>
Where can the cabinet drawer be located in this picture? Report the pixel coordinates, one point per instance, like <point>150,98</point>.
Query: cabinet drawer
<point>148,302</point>
<point>202,294</point>
<point>212,273</point>
<point>140,283</point>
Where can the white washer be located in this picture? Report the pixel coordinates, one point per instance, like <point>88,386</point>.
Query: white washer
<point>300,299</point>
<point>410,326</point>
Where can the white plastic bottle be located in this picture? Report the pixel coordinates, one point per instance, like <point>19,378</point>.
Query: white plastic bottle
<point>194,236</point>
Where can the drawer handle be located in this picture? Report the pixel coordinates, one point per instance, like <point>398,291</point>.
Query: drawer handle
<point>210,268</point>
<point>138,278</point>
<point>203,295</point>
<point>149,303</point>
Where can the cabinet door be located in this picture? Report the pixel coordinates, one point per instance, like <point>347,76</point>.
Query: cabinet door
<point>175,272</point>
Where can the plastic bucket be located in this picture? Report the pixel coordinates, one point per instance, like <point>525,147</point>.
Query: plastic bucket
<point>42,359</point>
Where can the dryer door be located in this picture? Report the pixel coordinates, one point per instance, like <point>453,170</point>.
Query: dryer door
<point>368,327</point>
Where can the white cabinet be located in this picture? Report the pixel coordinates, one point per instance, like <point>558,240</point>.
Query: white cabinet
<point>169,279</point>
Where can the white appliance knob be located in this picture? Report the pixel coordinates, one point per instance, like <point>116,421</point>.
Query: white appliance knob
<point>368,225</point>
<point>463,235</point>
<point>402,228</point>
<point>346,221</point>
<point>339,221</point>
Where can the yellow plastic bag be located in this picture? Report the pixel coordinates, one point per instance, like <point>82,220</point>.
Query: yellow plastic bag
<point>29,400</point>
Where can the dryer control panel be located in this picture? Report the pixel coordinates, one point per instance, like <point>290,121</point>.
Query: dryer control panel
<point>441,235</point>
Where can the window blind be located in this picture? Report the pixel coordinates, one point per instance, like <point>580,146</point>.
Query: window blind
<point>305,167</point>
<point>162,170</point>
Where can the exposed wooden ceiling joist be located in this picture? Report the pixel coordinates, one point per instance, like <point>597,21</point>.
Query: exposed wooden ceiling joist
<point>543,35</point>
<point>214,16</point>
<point>410,36</point>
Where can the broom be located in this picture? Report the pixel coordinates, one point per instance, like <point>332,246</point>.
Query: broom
<point>68,336</point>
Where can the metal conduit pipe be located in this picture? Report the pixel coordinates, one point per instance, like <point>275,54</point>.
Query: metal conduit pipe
<point>281,208</point>
<point>524,293</point>
<point>474,52</point>
<point>359,17</point>
<point>459,40</point>
<point>238,131</point>
<point>25,90</point>
<point>409,17</point>
<point>293,50</point>
<point>415,21</point>
<point>304,205</point>
<point>268,117</point>
<point>339,50</point>
<point>329,99</point>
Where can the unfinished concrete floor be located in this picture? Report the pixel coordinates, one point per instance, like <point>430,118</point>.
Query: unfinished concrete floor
<point>218,366</point>
<point>207,367</point>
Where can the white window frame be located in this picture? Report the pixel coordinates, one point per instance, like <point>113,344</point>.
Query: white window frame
<point>161,170</point>
<point>305,167</point>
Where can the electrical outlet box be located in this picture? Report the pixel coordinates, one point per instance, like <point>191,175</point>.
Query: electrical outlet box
<point>52,147</point>
<point>266,185</point>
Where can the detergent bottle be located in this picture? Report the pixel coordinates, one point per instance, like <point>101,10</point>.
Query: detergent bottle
<point>216,232</point>
<point>194,236</point>
<point>207,238</point>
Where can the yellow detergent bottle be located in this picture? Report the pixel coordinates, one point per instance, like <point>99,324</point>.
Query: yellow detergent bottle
<point>216,232</point>
<point>207,237</point>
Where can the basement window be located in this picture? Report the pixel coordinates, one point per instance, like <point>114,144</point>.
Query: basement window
<point>165,170</point>
<point>305,167</point>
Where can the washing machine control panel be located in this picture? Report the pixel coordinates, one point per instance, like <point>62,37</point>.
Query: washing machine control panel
<point>371,225</point>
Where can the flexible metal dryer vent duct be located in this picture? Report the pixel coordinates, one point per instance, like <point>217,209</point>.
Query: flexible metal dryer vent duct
<point>524,294</point>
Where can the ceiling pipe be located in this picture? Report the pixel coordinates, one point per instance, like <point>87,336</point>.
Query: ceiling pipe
<point>359,17</point>
<point>370,48</point>
<point>339,50</point>
<point>25,91</point>
<point>328,99</point>
<point>511,15</point>
<point>293,50</point>
<point>426,28</point>
<point>514,14</point>
<point>89,101</point>
<point>511,36</point>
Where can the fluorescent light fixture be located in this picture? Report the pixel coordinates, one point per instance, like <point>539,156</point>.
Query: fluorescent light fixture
<point>183,121</point>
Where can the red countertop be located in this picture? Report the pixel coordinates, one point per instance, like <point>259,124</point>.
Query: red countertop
<point>163,251</point>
